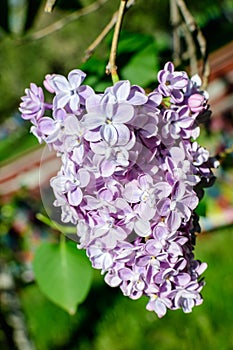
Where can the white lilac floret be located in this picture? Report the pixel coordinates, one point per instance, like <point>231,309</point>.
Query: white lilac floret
<point>132,174</point>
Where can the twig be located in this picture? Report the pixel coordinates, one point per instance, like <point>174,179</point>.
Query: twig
<point>194,29</point>
<point>111,67</point>
<point>49,5</point>
<point>189,20</point>
<point>191,50</point>
<point>66,20</point>
<point>91,48</point>
<point>89,51</point>
<point>179,27</point>
<point>206,66</point>
<point>175,22</point>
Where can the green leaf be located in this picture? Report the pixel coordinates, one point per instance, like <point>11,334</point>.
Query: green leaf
<point>94,66</point>
<point>63,274</point>
<point>142,68</point>
<point>133,42</point>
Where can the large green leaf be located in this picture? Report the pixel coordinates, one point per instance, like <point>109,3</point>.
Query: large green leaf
<point>63,273</point>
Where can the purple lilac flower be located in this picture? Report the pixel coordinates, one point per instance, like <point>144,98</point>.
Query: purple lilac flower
<point>46,82</point>
<point>32,106</point>
<point>107,231</point>
<point>100,256</point>
<point>176,121</point>
<point>197,103</point>
<point>70,181</point>
<point>133,282</point>
<point>107,120</point>
<point>180,167</point>
<point>171,83</point>
<point>68,91</point>
<point>132,175</point>
<point>158,302</point>
<point>179,207</point>
<point>122,91</point>
<point>51,128</point>
<point>186,298</point>
<point>144,193</point>
<point>73,139</point>
<point>151,258</point>
<point>111,158</point>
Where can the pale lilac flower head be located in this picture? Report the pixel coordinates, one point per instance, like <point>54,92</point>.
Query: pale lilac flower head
<point>132,175</point>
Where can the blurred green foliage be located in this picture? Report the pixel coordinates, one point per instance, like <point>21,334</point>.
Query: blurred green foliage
<point>16,144</point>
<point>63,273</point>
<point>107,320</point>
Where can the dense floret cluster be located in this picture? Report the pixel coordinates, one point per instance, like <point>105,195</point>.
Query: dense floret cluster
<point>132,174</point>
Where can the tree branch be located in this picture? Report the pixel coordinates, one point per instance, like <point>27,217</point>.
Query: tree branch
<point>91,48</point>
<point>195,30</point>
<point>66,20</point>
<point>89,51</point>
<point>49,5</point>
<point>191,50</point>
<point>111,67</point>
<point>175,22</point>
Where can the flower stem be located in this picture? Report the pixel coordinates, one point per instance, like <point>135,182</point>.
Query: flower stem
<point>111,66</point>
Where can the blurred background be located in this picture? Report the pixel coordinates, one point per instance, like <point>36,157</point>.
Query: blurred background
<point>34,43</point>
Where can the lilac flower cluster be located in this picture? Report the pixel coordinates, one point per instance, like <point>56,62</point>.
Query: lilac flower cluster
<point>132,175</point>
